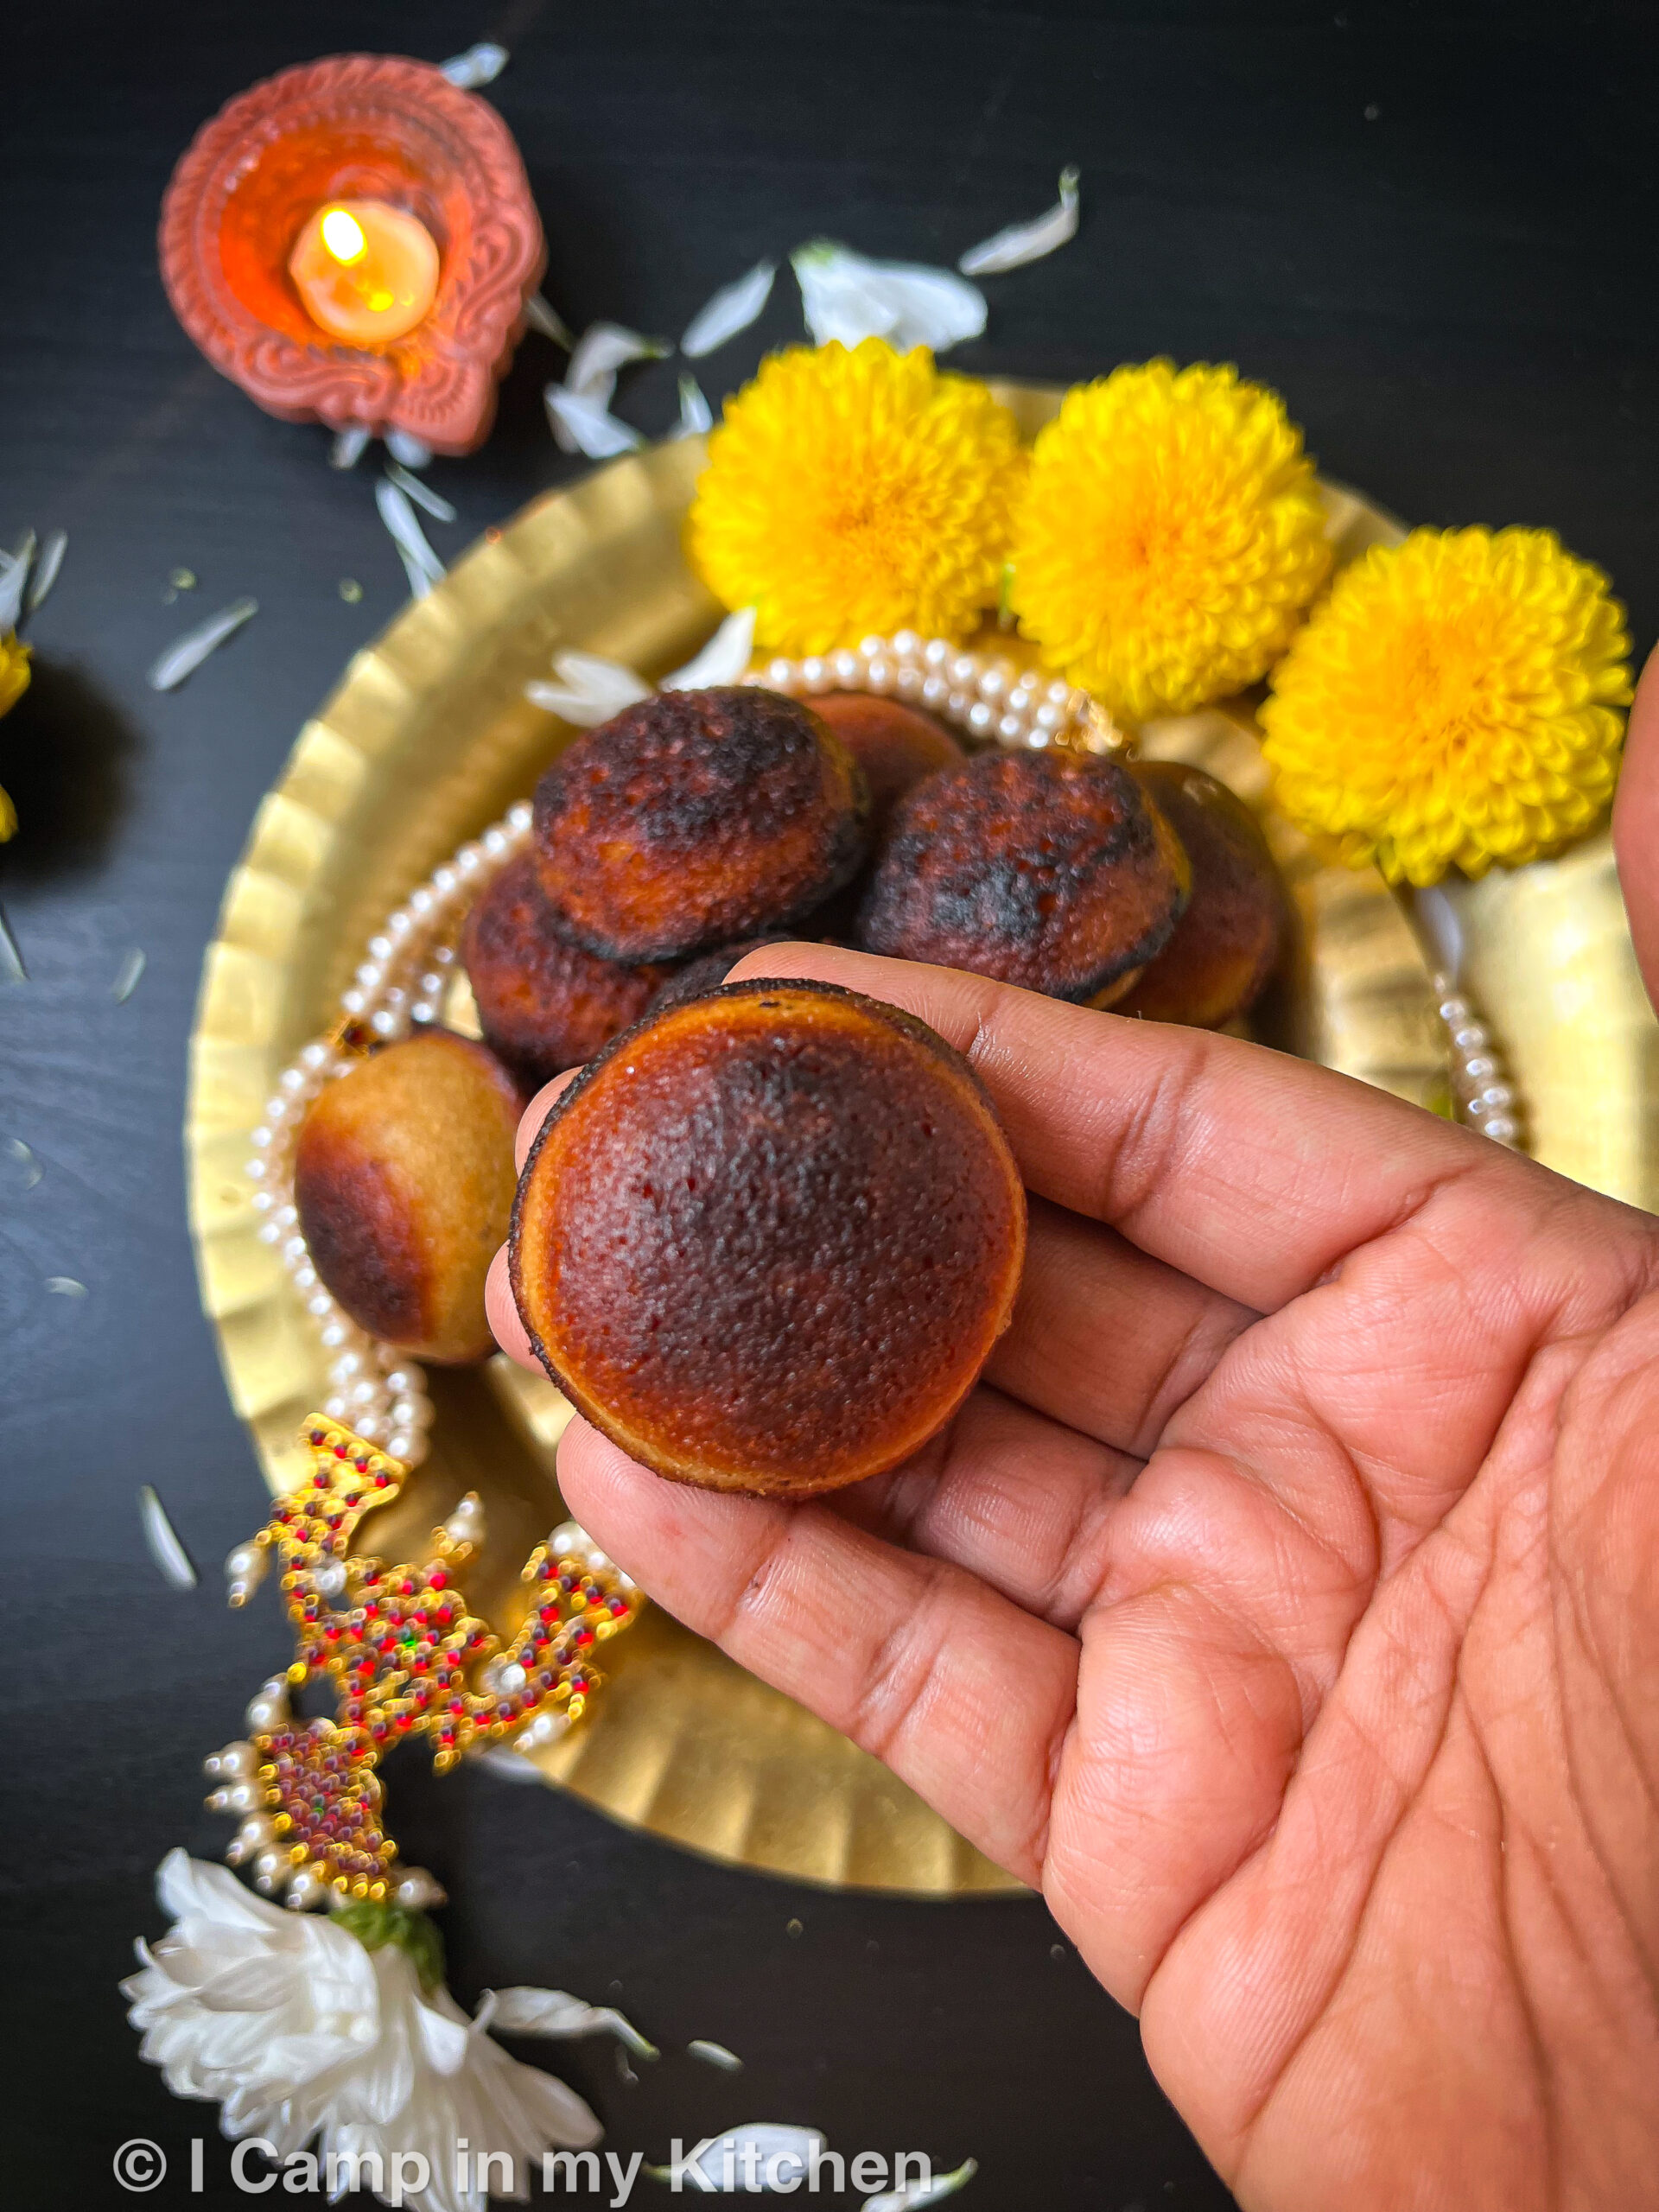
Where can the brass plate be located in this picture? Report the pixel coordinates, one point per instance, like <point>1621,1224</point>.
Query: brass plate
<point>427,740</point>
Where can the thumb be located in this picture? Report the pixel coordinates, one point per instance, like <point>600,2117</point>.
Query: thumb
<point>1636,825</point>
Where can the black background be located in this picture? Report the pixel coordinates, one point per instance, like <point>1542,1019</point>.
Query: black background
<point>1432,228</point>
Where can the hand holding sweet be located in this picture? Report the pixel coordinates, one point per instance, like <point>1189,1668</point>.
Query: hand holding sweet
<point>1284,1606</point>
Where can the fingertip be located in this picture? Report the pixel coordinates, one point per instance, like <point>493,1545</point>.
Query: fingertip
<point>530,1123</point>
<point>502,1311</point>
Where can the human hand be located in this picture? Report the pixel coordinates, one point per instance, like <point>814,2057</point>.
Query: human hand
<point>1284,1604</point>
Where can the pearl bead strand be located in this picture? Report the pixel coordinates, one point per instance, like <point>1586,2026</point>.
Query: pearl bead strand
<point>373,1387</point>
<point>1480,1083</point>
<point>985,693</point>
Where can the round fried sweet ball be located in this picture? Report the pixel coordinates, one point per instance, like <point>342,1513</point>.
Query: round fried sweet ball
<point>1226,945</point>
<point>1049,870</point>
<point>694,819</point>
<point>766,1241</point>
<point>708,971</point>
<point>404,1179</point>
<point>544,1004</point>
<point>895,745</point>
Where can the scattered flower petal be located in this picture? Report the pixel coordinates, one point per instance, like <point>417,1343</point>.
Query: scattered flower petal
<point>65,1286</point>
<point>732,308</point>
<point>480,65</point>
<point>589,690</point>
<point>548,320</point>
<point>915,2194</point>
<point>1022,242</point>
<point>349,449</point>
<point>602,349</point>
<point>423,494</point>
<point>48,563</point>
<point>588,426</point>
<point>29,1168</point>
<point>696,414</point>
<point>509,1764</point>
<point>846,296</point>
<point>162,1538</point>
<point>421,564</point>
<point>186,653</point>
<point>127,974</point>
<point>722,660</point>
<point>414,453</point>
<point>11,958</point>
<point>297,2029</point>
<point>714,2054</point>
<point>13,579</point>
<point>555,2012</point>
<point>716,2166</point>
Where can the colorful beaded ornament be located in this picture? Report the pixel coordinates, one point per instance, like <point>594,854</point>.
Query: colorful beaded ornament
<point>404,1657</point>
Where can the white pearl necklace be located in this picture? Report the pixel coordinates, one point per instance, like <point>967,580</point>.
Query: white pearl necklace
<point>411,960</point>
<point>375,1387</point>
<point>985,693</point>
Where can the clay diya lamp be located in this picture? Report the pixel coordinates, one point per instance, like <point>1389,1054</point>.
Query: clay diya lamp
<point>354,242</point>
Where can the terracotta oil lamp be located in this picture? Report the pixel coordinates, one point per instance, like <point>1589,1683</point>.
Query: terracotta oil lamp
<point>353,242</point>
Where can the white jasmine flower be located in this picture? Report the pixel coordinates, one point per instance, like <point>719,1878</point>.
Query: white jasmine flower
<point>295,2030</point>
<point>732,308</point>
<point>1022,242</point>
<point>848,297</point>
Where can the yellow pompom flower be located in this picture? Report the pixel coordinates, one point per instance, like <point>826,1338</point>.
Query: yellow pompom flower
<point>849,494</point>
<point>1452,703</point>
<point>1169,535</point>
<point>14,681</point>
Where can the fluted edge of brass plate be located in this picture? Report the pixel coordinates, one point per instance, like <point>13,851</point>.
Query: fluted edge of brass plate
<point>426,740</point>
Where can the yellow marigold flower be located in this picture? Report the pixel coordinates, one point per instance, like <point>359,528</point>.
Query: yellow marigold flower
<point>1170,536</point>
<point>854,493</point>
<point>1453,704</point>
<point>14,681</point>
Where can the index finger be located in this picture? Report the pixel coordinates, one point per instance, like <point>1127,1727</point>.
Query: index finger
<point>1252,1172</point>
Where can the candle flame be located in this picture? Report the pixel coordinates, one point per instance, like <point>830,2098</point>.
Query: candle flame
<point>343,235</point>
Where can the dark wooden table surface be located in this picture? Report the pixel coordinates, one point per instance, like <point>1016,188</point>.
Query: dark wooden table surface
<point>1431,226</point>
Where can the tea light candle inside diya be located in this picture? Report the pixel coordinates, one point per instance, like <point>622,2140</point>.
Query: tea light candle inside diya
<point>366,272</point>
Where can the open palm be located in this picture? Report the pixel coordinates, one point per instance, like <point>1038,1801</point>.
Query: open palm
<point>1285,1604</point>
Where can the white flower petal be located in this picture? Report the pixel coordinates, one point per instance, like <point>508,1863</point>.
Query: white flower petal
<point>732,308</point>
<point>848,297</point>
<point>480,65</point>
<point>414,453</point>
<point>585,426</point>
<point>589,690</point>
<point>421,564</point>
<point>1022,242</point>
<point>14,575</point>
<point>423,494</point>
<point>185,656</point>
<point>716,2164</point>
<point>48,561</point>
<point>602,349</point>
<point>916,2194</point>
<point>348,448</point>
<point>722,660</point>
<point>696,414</point>
<point>555,2012</point>
<point>548,320</point>
<point>714,2053</point>
<point>163,1540</point>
